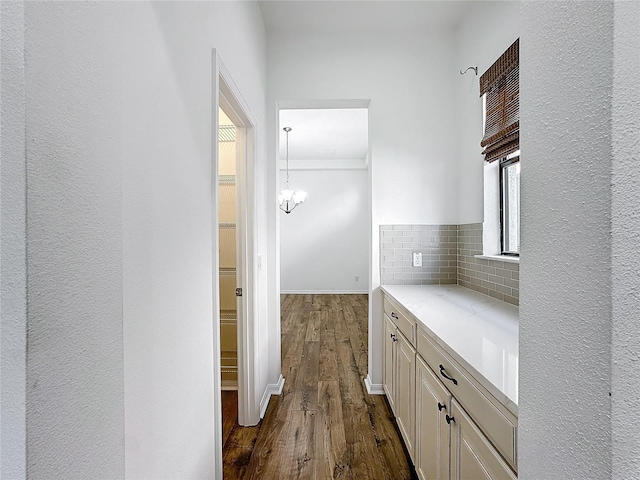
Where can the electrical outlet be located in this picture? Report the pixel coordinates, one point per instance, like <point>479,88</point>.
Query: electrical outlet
<point>417,259</point>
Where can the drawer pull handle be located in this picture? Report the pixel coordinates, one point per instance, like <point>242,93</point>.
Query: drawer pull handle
<point>393,315</point>
<point>449,419</point>
<point>455,382</point>
<point>393,337</point>
<point>440,407</point>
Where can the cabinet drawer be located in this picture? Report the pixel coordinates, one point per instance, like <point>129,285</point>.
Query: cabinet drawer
<point>472,456</point>
<point>401,319</point>
<point>498,424</point>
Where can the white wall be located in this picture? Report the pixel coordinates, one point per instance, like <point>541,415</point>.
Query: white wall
<point>625,242</point>
<point>325,241</point>
<point>485,32</point>
<point>409,78</point>
<point>75,401</point>
<point>13,264</point>
<point>119,109</point>
<point>565,424</point>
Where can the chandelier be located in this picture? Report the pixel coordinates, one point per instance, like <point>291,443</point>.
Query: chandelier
<point>288,198</point>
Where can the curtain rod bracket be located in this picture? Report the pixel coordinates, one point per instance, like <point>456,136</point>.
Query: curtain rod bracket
<point>475,69</point>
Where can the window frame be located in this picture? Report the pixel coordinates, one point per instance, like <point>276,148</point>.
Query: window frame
<point>505,162</point>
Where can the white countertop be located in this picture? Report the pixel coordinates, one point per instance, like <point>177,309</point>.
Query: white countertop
<point>480,332</point>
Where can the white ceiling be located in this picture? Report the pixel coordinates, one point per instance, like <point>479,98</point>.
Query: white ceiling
<point>326,135</point>
<point>336,16</point>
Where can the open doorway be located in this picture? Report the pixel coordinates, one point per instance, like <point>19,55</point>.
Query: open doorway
<point>325,243</point>
<point>228,274</point>
<point>234,251</point>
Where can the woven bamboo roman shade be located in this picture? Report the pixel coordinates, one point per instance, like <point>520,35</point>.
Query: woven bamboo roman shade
<point>501,83</point>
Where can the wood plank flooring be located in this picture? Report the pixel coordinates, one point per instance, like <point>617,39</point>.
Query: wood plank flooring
<point>324,425</point>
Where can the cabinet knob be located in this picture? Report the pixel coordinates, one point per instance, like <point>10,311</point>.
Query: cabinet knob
<point>449,419</point>
<point>393,315</point>
<point>440,407</point>
<point>442,372</point>
<point>394,338</point>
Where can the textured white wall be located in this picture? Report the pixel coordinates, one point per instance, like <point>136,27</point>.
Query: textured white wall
<point>75,403</point>
<point>409,78</point>
<point>119,99</point>
<point>485,32</point>
<point>325,241</point>
<point>13,264</point>
<point>566,66</point>
<point>625,242</point>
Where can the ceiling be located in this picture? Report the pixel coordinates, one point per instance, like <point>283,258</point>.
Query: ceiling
<point>349,16</point>
<point>325,137</point>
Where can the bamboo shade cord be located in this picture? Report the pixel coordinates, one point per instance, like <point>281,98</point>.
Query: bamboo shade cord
<point>501,84</point>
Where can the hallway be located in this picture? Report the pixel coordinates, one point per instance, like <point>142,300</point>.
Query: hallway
<point>324,425</point>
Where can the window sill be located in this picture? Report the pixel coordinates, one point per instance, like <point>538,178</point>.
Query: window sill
<point>500,258</point>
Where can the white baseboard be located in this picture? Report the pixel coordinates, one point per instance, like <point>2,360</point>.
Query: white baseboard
<point>272,389</point>
<point>373,388</point>
<point>324,292</point>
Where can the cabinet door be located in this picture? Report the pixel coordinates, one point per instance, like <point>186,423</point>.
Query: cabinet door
<point>406,390</point>
<point>432,430</point>
<point>388,374</point>
<point>472,456</point>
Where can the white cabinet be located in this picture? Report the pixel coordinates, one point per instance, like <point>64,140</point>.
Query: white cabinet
<point>472,456</point>
<point>432,430</point>
<point>493,419</point>
<point>388,374</point>
<point>452,426</point>
<point>399,380</point>
<point>405,390</point>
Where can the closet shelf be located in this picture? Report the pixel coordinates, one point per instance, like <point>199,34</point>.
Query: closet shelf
<point>226,179</point>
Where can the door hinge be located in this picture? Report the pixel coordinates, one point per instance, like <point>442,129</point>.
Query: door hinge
<point>238,292</point>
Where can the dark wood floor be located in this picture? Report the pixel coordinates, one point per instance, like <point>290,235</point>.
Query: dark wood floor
<point>324,425</point>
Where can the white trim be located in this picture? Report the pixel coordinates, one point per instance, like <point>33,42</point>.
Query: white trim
<point>246,141</point>
<point>373,388</point>
<point>500,258</point>
<point>324,292</point>
<point>226,92</point>
<point>320,104</point>
<point>325,164</point>
<point>215,283</point>
<point>272,389</point>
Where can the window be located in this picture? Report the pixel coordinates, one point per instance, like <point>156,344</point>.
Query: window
<point>500,92</point>
<point>510,205</point>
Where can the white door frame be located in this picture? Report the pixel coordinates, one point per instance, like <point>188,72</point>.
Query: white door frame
<point>320,104</point>
<point>227,96</point>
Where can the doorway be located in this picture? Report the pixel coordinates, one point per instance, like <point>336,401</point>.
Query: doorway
<point>325,243</point>
<point>233,225</point>
<point>228,275</point>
